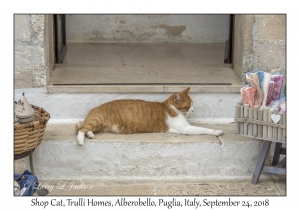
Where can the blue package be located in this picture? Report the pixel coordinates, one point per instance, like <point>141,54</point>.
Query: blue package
<point>260,75</point>
<point>29,182</point>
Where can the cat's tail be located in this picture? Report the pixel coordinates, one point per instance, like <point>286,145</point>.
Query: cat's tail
<point>78,126</point>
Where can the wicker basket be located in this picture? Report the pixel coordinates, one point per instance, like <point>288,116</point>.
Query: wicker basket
<point>28,136</point>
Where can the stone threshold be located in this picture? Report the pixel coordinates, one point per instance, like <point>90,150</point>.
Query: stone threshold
<point>144,67</point>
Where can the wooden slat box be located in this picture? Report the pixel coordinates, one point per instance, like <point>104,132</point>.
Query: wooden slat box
<point>258,123</point>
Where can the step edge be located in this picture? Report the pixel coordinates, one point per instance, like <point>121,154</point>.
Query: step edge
<point>141,89</point>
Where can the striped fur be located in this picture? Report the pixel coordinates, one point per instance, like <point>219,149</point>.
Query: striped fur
<point>138,116</point>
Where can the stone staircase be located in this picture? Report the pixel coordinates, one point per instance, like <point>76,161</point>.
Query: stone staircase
<point>95,73</point>
<point>141,156</point>
<point>145,156</point>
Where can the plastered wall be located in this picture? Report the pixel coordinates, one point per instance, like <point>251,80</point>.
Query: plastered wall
<point>147,28</point>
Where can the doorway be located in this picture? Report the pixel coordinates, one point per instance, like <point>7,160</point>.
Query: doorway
<point>149,51</point>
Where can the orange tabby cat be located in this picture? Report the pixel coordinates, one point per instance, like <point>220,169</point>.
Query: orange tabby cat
<point>137,116</point>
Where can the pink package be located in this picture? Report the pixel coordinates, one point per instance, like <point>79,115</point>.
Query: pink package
<point>278,82</point>
<point>270,93</point>
<point>248,96</point>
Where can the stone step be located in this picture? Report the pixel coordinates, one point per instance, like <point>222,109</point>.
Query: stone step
<point>93,79</point>
<point>208,107</point>
<point>149,156</point>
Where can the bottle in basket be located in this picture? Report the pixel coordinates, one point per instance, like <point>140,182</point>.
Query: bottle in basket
<point>23,110</point>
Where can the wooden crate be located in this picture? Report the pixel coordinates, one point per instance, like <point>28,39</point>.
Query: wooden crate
<point>257,123</point>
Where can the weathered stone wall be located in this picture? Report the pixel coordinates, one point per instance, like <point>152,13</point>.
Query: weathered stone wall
<point>33,50</point>
<point>269,42</point>
<point>259,43</point>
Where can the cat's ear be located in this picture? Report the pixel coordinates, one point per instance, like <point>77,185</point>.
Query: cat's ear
<point>186,90</point>
<point>176,98</point>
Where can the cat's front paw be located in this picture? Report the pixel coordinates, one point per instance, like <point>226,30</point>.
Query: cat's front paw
<point>218,133</point>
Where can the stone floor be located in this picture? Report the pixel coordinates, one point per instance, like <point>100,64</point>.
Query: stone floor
<point>155,67</point>
<point>268,185</point>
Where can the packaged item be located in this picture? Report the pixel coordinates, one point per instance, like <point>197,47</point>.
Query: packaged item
<point>248,96</point>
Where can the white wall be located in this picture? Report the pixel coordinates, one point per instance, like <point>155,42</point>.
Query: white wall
<point>147,28</point>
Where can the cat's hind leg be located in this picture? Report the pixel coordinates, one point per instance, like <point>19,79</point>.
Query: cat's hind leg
<point>80,134</point>
<point>80,138</point>
<point>92,123</point>
<point>86,130</point>
<point>90,135</point>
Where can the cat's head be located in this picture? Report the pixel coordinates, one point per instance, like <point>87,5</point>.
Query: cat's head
<point>181,101</point>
